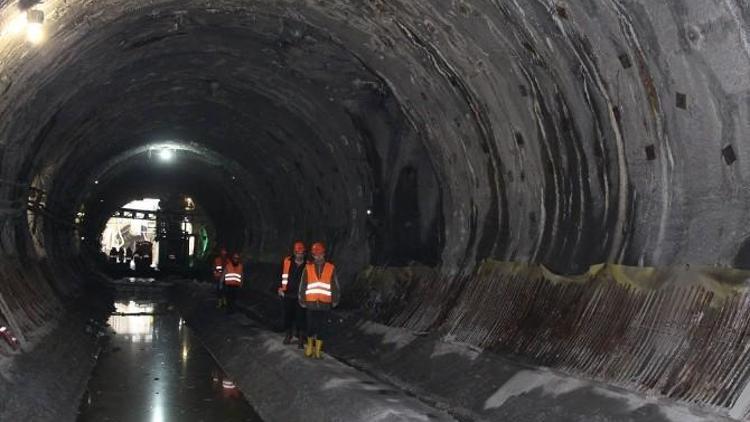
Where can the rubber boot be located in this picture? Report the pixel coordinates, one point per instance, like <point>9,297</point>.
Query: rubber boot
<point>301,342</point>
<point>309,347</point>
<point>288,337</point>
<point>318,349</point>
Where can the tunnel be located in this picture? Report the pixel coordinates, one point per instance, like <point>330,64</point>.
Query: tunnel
<point>535,208</point>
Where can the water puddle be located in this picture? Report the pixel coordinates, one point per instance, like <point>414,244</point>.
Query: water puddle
<point>153,369</point>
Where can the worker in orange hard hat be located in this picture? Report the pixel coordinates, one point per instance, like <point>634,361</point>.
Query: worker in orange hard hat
<point>233,278</point>
<point>318,293</point>
<point>220,261</point>
<point>291,275</point>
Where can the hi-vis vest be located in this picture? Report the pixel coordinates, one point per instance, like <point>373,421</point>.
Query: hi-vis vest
<point>319,288</point>
<point>233,274</point>
<point>285,273</point>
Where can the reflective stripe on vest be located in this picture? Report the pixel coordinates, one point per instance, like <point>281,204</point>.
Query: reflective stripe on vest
<point>319,288</point>
<point>233,275</point>
<point>233,279</point>
<point>218,267</point>
<point>285,273</point>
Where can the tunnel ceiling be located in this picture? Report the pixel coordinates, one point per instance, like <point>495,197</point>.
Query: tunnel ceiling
<point>567,133</point>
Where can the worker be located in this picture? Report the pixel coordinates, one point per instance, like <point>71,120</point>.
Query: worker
<point>137,259</point>
<point>318,293</point>
<point>128,255</point>
<point>113,255</point>
<point>291,275</point>
<point>218,271</point>
<point>233,276</point>
<point>120,255</point>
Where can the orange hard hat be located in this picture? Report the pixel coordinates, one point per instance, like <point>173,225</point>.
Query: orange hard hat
<point>299,247</point>
<point>318,248</point>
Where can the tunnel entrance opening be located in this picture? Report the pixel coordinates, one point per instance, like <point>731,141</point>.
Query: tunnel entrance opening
<point>129,236</point>
<point>152,235</point>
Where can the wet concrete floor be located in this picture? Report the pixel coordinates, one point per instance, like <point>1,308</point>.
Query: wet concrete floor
<point>154,369</point>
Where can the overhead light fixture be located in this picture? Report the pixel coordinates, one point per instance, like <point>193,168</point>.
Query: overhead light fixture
<point>166,154</point>
<point>35,28</point>
<point>35,16</point>
<point>30,22</point>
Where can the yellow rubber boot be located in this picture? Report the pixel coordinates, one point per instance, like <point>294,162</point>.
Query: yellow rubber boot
<point>318,349</point>
<point>309,347</point>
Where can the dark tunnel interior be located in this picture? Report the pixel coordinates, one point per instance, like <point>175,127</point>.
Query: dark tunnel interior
<point>516,172</point>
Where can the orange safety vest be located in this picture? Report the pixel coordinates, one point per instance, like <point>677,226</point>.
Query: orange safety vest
<point>233,274</point>
<point>319,288</point>
<point>285,273</point>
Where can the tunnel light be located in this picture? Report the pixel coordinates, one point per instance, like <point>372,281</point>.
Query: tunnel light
<point>35,16</point>
<point>16,25</point>
<point>35,33</point>
<point>35,28</point>
<point>30,22</point>
<point>166,154</point>
<point>369,212</point>
<point>96,182</point>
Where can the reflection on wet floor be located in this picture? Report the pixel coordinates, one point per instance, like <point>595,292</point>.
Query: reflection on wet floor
<point>155,370</point>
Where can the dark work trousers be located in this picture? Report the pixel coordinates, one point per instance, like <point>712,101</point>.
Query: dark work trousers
<point>230,293</point>
<point>294,316</point>
<point>317,323</point>
<point>218,283</point>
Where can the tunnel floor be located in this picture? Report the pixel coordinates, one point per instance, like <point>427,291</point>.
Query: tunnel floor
<point>153,368</point>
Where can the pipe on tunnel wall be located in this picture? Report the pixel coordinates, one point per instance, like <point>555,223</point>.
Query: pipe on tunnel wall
<point>562,133</point>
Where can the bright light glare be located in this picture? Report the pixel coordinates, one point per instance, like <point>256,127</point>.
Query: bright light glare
<point>166,154</point>
<point>35,33</point>
<point>20,24</point>
<point>15,25</point>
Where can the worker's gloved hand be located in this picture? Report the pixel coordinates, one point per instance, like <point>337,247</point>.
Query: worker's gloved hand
<point>281,293</point>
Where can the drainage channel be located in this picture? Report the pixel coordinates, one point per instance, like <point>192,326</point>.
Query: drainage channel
<point>154,369</point>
